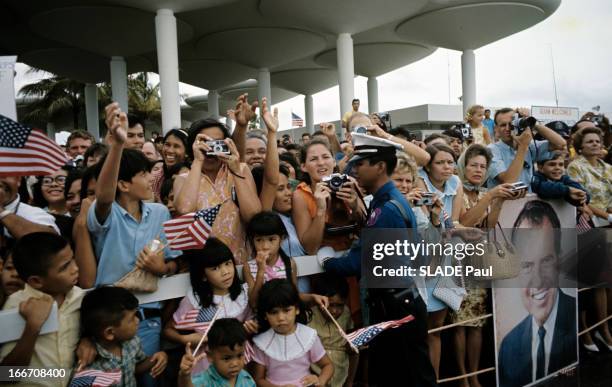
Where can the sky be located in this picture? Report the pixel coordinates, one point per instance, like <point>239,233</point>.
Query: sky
<point>514,71</point>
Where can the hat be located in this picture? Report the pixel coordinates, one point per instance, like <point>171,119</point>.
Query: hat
<point>559,127</point>
<point>549,156</point>
<point>366,146</point>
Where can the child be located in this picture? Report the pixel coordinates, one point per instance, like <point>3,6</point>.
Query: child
<point>340,354</point>
<point>216,286</point>
<point>122,224</point>
<point>226,342</point>
<point>287,348</point>
<point>45,262</point>
<point>266,232</point>
<point>551,182</point>
<point>474,117</point>
<point>9,279</point>
<point>109,317</point>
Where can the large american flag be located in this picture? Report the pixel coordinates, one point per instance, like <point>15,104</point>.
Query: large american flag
<point>96,378</point>
<point>191,231</point>
<point>362,336</point>
<point>296,120</point>
<point>25,151</point>
<point>197,319</point>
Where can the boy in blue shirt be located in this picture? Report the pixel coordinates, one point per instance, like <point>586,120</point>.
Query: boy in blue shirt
<point>226,342</point>
<point>122,224</point>
<point>551,182</point>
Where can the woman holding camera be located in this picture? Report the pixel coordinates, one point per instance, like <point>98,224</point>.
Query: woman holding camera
<point>218,178</point>
<point>443,209</point>
<point>480,208</point>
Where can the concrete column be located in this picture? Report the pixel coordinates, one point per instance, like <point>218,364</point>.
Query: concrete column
<point>468,78</point>
<point>346,71</point>
<point>309,109</point>
<point>213,103</point>
<point>372,95</point>
<point>119,82</point>
<point>91,110</point>
<point>167,60</point>
<point>264,88</point>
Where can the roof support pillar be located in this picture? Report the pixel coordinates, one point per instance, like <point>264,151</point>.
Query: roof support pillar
<point>167,60</point>
<point>264,88</point>
<point>91,110</point>
<point>468,79</point>
<point>372,95</point>
<point>119,82</point>
<point>213,103</point>
<point>346,71</point>
<point>309,109</point>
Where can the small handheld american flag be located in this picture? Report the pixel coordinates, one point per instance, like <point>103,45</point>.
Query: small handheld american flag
<point>197,319</point>
<point>25,151</point>
<point>363,336</point>
<point>96,378</point>
<point>191,231</point>
<point>296,120</point>
<point>583,224</point>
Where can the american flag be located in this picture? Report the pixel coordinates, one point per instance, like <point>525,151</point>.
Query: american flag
<point>25,151</point>
<point>197,319</point>
<point>362,336</point>
<point>191,230</point>
<point>296,120</point>
<point>583,224</point>
<point>96,378</point>
<point>249,352</point>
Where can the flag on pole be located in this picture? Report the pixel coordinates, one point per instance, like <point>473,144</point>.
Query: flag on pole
<point>296,120</point>
<point>583,224</point>
<point>191,231</point>
<point>198,319</point>
<point>96,378</point>
<point>363,336</point>
<point>25,151</point>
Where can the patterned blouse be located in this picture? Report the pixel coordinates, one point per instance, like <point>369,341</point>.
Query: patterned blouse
<point>596,179</point>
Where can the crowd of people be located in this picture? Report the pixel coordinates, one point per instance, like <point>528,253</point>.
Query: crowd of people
<point>98,222</point>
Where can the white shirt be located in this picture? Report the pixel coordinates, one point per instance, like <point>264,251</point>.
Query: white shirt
<point>549,326</point>
<point>30,213</point>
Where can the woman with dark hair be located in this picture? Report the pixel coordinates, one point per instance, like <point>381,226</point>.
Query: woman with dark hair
<point>175,159</point>
<point>480,208</point>
<point>218,179</point>
<point>48,192</point>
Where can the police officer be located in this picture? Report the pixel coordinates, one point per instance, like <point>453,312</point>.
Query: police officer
<point>398,356</point>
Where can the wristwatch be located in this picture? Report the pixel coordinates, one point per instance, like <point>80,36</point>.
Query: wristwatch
<point>5,213</point>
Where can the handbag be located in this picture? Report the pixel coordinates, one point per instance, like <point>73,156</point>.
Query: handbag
<point>450,289</point>
<point>138,280</point>
<point>500,255</point>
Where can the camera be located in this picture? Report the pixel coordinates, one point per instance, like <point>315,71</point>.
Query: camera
<point>360,129</point>
<point>597,119</point>
<point>218,147</point>
<point>518,186</point>
<point>521,123</point>
<point>465,129</point>
<point>335,180</point>
<point>425,200</point>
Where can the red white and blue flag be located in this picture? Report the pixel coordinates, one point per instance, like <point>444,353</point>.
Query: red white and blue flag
<point>296,120</point>
<point>25,151</point>
<point>583,225</point>
<point>191,231</point>
<point>363,336</point>
<point>198,319</point>
<point>96,378</point>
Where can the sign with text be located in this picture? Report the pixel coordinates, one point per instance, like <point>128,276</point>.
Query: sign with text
<point>546,114</point>
<point>7,87</point>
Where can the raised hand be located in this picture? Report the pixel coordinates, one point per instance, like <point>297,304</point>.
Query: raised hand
<point>116,122</point>
<point>244,111</point>
<point>271,120</point>
<point>200,148</point>
<point>577,194</point>
<point>525,138</point>
<point>188,360</point>
<point>328,128</point>
<point>36,310</point>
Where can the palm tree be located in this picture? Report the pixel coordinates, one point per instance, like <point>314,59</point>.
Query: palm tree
<point>143,98</point>
<point>52,98</point>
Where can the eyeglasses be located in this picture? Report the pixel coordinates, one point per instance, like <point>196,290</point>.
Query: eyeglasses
<point>48,180</point>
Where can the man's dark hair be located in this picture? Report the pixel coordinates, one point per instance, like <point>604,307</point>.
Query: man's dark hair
<point>73,175</point>
<point>318,133</point>
<point>134,120</point>
<point>354,100</point>
<point>94,149</point>
<point>389,158</point>
<point>105,307</point>
<point>435,136</point>
<point>305,134</point>
<point>200,125</point>
<point>33,252</point>
<point>79,133</point>
<point>535,212</point>
<point>166,188</point>
<point>290,159</point>
<point>402,132</point>
<point>226,332</point>
<point>501,111</point>
<point>488,110</point>
<point>296,147</point>
<point>132,163</point>
<point>454,133</point>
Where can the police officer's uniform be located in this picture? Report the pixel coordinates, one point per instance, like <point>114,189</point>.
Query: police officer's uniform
<point>399,356</point>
